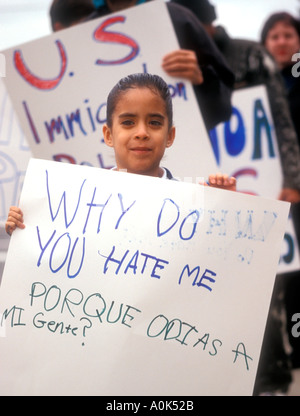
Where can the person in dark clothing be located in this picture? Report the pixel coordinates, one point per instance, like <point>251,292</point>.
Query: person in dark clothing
<point>66,13</point>
<point>198,60</point>
<point>281,36</point>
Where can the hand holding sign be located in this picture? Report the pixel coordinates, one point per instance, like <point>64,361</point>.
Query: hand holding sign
<point>14,220</point>
<point>183,64</point>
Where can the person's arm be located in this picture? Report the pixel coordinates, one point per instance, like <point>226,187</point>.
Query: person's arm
<point>183,63</point>
<point>290,195</point>
<point>14,220</point>
<point>214,93</point>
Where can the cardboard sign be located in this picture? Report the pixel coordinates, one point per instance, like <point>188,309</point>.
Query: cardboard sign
<point>246,147</point>
<point>132,285</point>
<point>59,85</point>
<point>14,155</point>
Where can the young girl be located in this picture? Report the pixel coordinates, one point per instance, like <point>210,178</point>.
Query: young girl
<point>139,127</point>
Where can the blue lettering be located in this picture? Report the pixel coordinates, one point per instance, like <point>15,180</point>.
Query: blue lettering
<point>246,231</point>
<point>205,276</point>
<point>261,122</point>
<point>54,248</point>
<point>72,276</point>
<point>75,117</point>
<point>235,140</point>
<point>64,201</point>
<point>179,90</point>
<point>167,200</point>
<point>134,263</point>
<point>111,259</point>
<point>55,125</point>
<point>40,244</point>
<point>123,210</point>
<point>213,135</point>
<point>52,252</point>
<point>92,204</point>
<point>189,273</point>
<point>289,256</point>
<point>195,222</point>
<point>217,222</point>
<point>157,265</point>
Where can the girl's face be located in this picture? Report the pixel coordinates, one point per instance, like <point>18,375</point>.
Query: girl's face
<point>140,131</point>
<point>282,42</point>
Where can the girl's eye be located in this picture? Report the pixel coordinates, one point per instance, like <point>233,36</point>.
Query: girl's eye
<point>127,122</point>
<point>156,123</point>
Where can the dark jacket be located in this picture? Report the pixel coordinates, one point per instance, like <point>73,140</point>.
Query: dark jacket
<point>292,84</point>
<point>214,94</point>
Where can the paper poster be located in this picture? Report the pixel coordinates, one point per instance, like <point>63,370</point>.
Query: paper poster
<point>14,155</point>
<point>59,85</point>
<point>246,147</point>
<point>133,285</point>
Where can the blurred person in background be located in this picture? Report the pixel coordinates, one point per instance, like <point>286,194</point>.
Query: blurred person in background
<point>281,37</point>
<point>66,13</point>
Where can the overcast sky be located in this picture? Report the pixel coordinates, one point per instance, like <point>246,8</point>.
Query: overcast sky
<point>24,20</point>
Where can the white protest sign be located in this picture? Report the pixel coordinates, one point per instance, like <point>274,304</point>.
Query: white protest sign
<point>14,155</point>
<point>246,147</point>
<point>132,285</point>
<point>59,85</point>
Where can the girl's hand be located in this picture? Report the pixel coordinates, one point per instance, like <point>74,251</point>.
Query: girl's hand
<point>14,220</point>
<point>221,181</point>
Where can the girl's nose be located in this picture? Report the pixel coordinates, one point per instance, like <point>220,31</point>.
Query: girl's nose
<point>282,40</point>
<point>141,132</point>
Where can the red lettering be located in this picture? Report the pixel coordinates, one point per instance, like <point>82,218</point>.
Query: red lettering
<point>243,172</point>
<point>35,81</point>
<point>101,35</point>
<point>61,157</point>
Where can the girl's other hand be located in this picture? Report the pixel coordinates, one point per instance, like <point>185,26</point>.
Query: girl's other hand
<point>14,220</point>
